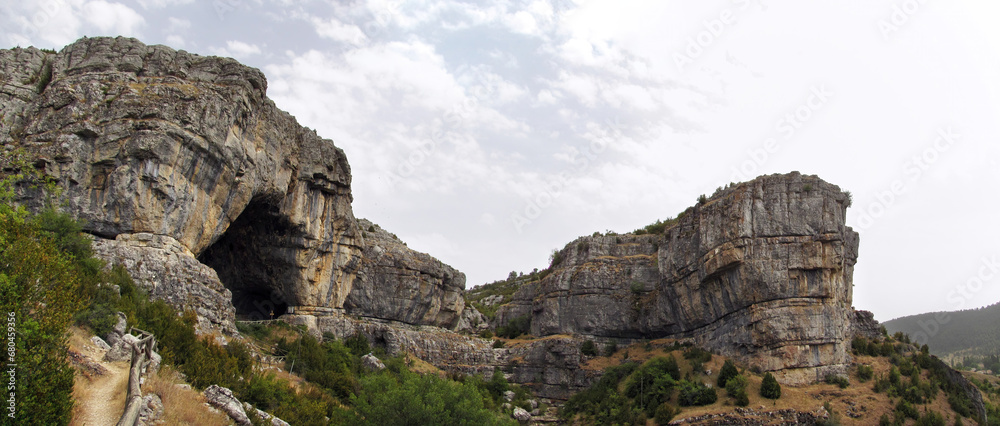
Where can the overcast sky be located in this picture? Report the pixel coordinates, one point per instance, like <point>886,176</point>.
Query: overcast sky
<point>489,133</point>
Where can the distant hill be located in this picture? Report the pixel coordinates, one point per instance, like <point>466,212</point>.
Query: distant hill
<point>969,332</point>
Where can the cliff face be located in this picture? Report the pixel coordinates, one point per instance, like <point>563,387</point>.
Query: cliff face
<point>146,140</point>
<point>762,272</point>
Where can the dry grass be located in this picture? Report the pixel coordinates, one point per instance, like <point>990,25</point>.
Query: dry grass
<point>418,365</point>
<point>181,405</point>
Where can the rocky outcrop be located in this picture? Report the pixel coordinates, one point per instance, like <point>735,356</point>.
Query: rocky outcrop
<point>863,324</point>
<point>216,200</point>
<point>762,271</point>
<point>397,283</point>
<point>168,270</point>
<point>223,399</point>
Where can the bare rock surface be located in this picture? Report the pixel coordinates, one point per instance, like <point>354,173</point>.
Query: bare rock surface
<point>215,199</point>
<point>223,399</point>
<point>761,272</point>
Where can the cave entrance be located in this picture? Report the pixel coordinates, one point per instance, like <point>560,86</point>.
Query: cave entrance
<point>252,259</point>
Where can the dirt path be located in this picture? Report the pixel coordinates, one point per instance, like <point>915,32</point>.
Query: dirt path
<point>101,399</point>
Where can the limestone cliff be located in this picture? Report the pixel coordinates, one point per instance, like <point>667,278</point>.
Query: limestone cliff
<point>214,198</point>
<point>761,271</point>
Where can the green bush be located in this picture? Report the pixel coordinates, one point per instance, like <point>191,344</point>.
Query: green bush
<point>736,388</point>
<point>834,379</point>
<point>770,388</point>
<point>865,372</point>
<point>358,345</point>
<point>698,354</point>
<point>410,399</point>
<point>696,393</point>
<point>931,418</point>
<point>610,348</point>
<point>588,348</point>
<point>906,410</point>
<point>515,327</point>
<point>664,413</point>
<point>47,276</point>
<point>652,383</point>
<point>728,371</point>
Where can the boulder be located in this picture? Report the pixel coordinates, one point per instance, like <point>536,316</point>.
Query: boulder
<point>372,363</point>
<point>223,399</point>
<point>521,414</point>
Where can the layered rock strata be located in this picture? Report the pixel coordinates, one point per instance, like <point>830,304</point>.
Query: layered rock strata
<point>762,271</point>
<point>189,175</point>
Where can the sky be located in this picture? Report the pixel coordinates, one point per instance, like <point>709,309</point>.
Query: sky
<point>490,133</point>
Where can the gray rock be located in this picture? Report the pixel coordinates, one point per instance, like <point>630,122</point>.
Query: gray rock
<point>371,363</point>
<point>122,350</point>
<point>265,416</point>
<point>154,363</point>
<point>762,272</point>
<point>176,160</point>
<point>151,410</point>
<point>223,399</point>
<point>100,343</point>
<point>170,272</point>
<point>508,396</point>
<point>118,330</point>
<point>521,414</point>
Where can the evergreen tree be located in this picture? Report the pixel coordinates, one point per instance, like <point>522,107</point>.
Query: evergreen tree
<point>770,388</point>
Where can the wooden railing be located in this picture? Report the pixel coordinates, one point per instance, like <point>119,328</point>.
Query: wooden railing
<point>142,352</point>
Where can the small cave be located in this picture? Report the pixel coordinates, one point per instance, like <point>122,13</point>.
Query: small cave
<point>252,261</point>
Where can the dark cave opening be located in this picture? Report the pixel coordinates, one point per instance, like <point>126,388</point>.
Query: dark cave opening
<point>252,261</point>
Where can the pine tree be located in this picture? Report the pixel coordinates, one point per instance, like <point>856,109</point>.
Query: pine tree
<point>770,388</point>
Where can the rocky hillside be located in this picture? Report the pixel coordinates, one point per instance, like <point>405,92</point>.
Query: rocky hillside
<point>761,271</point>
<point>213,198</point>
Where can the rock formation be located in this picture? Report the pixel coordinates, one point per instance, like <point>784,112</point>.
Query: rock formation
<point>218,202</point>
<point>212,197</point>
<point>762,271</point>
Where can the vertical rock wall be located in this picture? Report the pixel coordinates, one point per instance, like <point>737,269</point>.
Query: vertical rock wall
<point>761,271</point>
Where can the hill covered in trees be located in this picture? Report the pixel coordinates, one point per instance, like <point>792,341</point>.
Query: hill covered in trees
<point>968,332</point>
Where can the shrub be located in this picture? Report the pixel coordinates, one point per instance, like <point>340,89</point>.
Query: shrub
<point>610,348</point>
<point>515,327</point>
<point>736,387</point>
<point>770,388</point>
<point>588,348</point>
<point>486,334</point>
<point>497,344</point>
<point>865,372</point>
<point>664,413</point>
<point>931,418</point>
<point>652,383</point>
<point>412,399</point>
<point>906,410</point>
<point>358,344</point>
<point>834,379</point>
<point>728,371</point>
<point>696,393</point>
<point>697,354</point>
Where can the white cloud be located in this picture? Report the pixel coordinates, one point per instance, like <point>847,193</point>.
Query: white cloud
<point>159,4</point>
<point>336,30</point>
<point>113,18</point>
<point>237,49</point>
